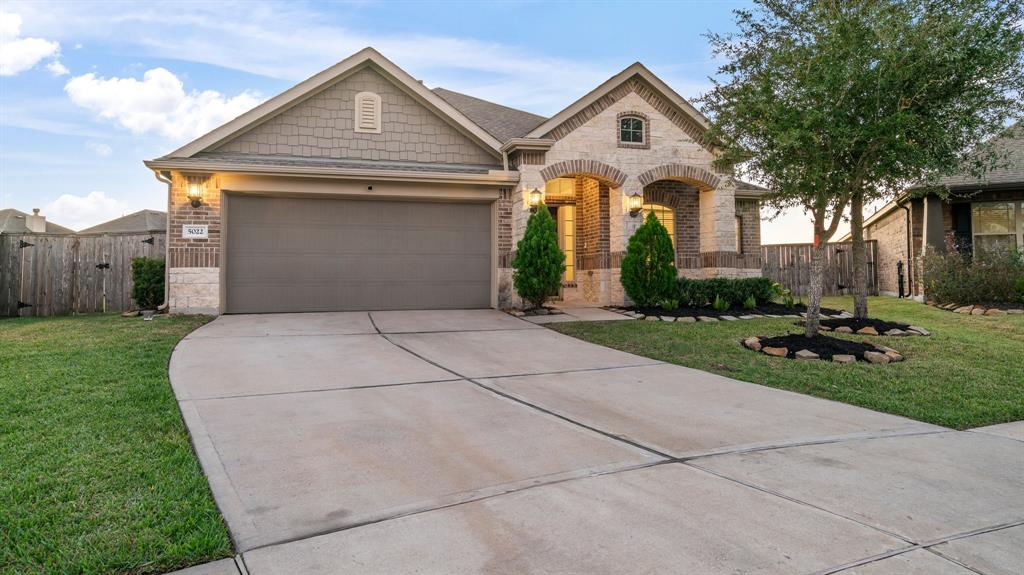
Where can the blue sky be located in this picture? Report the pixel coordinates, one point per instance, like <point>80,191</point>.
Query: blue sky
<point>88,90</point>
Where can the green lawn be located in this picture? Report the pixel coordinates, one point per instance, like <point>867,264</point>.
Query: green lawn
<point>97,474</point>
<point>969,373</point>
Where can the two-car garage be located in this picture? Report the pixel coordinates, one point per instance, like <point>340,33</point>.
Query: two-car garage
<point>294,254</point>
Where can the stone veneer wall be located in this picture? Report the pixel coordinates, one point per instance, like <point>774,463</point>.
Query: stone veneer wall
<point>322,127</point>
<point>194,265</point>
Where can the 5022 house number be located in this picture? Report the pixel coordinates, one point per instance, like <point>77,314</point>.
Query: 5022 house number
<point>195,231</point>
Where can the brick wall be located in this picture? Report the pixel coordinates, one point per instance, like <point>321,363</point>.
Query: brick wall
<point>749,212</point>
<point>685,200</point>
<point>193,264</point>
<point>592,223</point>
<point>322,127</point>
<point>891,233</point>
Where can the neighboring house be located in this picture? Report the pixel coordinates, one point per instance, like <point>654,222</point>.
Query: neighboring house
<point>140,222</point>
<point>360,188</point>
<point>17,222</point>
<point>985,212</point>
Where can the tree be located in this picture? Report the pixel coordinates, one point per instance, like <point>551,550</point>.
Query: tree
<point>648,268</point>
<point>836,103</point>
<point>539,263</point>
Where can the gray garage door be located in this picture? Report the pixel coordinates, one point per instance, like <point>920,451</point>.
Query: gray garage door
<point>301,254</point>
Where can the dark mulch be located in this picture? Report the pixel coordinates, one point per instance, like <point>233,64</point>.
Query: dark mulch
<point>766,309</point>
<point>881,326</point>
<point>822,345</point>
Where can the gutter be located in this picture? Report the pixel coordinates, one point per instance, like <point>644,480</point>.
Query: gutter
<point>910,249</point>
<point>167,243</point>
<point>492,177</point>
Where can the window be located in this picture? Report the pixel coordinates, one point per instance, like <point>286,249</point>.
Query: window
<point>567,239</point>
<point>739,234</point>
<point>998,224</point>
<point>631,130</point>
<point>666,216</point>
<point>560,188</point>
<point>367,113</point>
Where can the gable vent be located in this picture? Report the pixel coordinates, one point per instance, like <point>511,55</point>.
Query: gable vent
<point>367,118</point>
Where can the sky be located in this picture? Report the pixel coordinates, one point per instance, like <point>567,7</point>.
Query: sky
<point>88,90</point>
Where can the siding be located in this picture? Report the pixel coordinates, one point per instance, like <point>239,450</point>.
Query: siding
<point>322,127</point>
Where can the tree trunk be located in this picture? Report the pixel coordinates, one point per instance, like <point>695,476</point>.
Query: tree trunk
<point>817,277</point>
<point>860,260</point>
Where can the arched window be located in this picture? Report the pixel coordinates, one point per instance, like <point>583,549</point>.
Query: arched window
<point>665,215</point>
<point>632,130</point>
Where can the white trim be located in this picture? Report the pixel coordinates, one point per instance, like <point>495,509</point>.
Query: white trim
<point>322,81</point>
<point>636,69</point>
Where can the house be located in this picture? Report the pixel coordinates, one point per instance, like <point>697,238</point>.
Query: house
<point>986,212</point>
<point>140,222</point>
<point>17,222</point>
<point>360,188</point>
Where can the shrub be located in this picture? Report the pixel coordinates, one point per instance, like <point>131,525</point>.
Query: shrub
<point>990,276</point>
<point>1020,289</point>
<point>147,282</point>
<point>721,304</point>
<point>749,303</point>
<point>539,262</point>
<point>648,269</point>
<point>702,292</point>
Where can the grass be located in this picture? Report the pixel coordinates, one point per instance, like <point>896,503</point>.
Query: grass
<point>969,373</point>
<point>97,474</point>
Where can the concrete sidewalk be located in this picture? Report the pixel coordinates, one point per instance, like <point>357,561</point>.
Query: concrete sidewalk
<point>475,442</point>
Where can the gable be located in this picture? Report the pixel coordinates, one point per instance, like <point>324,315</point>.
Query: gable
<point>598,138</point>
<point>323,126</point>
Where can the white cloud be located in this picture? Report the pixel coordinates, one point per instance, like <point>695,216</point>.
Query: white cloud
<point>57,69</point>
<point>100,148</point>
<point>157,104</point>
<point>78,212</point>
<point>18,54</point>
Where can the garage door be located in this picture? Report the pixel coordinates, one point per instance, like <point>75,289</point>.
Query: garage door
<point>302,254</point>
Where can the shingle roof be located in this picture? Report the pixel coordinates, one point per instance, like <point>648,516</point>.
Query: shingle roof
<point>499,121</point>
<point>1011,143</point>
<point>140,221</point>
<point>13,222</point>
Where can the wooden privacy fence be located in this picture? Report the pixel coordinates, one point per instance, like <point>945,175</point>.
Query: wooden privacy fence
<point>54,274</point>
<point>790,266</point>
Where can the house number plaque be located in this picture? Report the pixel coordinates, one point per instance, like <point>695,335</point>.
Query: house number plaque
<point>195,232</point>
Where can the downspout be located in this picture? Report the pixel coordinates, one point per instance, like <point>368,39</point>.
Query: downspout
<point>910,250</point>
<point>167,241</point>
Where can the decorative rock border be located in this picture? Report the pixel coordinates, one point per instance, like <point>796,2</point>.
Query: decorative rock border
<point>868,330</point>
<point>978,309</point>
<point>881,355</point>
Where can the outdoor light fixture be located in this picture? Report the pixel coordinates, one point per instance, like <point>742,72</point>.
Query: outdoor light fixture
<point>636,203</point>
<point>195,194</point>
<point>536,197</point>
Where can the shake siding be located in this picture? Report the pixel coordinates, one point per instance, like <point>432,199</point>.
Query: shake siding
<point>323,127</point>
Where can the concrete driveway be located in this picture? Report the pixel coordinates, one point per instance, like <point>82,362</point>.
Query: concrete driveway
<point>474,442</point>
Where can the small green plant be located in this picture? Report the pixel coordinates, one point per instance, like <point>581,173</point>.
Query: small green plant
<point>669,304</point>
<point>1020,289</point>
<point>648,269</point>
<point>721,304</point>
<point>749,303</point>
<point>783,294</point>
<point>147,282</point>
<point>539,262</point>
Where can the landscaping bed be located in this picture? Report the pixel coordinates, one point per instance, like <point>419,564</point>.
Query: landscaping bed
<point>968,374</point>
<point>971,309</point>
<point>871,326</point>
<point>766,310</point>
<point>822,347</point>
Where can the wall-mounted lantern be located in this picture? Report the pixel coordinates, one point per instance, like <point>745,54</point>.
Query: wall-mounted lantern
<point>536,198</point>
<point>195,193</point>
<point>636,203</point>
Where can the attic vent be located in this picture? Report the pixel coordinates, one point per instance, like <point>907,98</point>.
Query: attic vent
<point>367,113</point>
